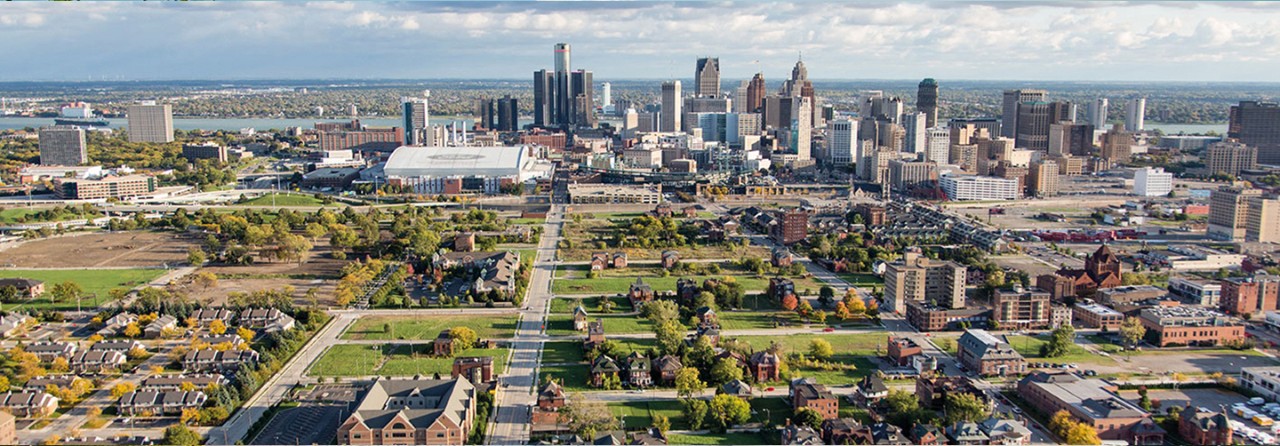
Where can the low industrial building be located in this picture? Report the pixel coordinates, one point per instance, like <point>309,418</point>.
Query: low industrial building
<point>1093,402</point>
<point>987,355</point>
<point>1187,326</point>
<point>615,194</point>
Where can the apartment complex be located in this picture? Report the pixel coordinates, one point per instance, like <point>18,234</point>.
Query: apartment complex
<point>1230,158</point>
<point>1019,308</point>
<point>124,187</point>
<point>916,278</point>
<point>151,123</point>
<point>1229,212</point>
<point>63,145</point>
<point>1250,295</point>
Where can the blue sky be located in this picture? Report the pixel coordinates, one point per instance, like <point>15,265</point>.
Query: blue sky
<point>1092,41</point>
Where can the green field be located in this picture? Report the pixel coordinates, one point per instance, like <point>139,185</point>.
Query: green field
<point>636,415</point>
<point>591,304</point>
<point>427,327</point>
<point>621,285</point>
<point>1029,347</point>
<point>562,352</point>
<point>282,200</point>
<point>862,280</point>
<point>572,377</point>
<point>394,360</point>
<point>95,282</point>
<point>860,344</point>
<point>17,215</point>
<point>732,438</point>
<point>562,324</point>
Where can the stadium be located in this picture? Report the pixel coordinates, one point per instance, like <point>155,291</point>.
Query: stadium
<point>457,170</point>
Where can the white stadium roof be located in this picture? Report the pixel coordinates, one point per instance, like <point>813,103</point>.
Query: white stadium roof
<point>449,161</point>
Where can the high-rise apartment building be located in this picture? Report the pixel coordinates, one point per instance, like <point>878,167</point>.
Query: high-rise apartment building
<point>1034,119</point>
<point>937,145</point>
<point>1152,182</point>
<point>672,101</point>
<point>1009,115</point>
<point>1117,145</point>
<point>1263,222</point>
<point>706,77</point>
<point>63,145</point>
<point>917,278</point>
<point>150,123</point>
<point>793,227</point>
<point>842,141</point>
<point>1230,158</point>
<point>914,126</point>
<point>756,91</point>
<point>415,116</point>
<point>927,101</point>
<point>1229,212</point>
<point>1135,114</point>
<point>1021,309</point>
<point>1257,124</point>
<point>1042,180</point>
<point>1098,113</point>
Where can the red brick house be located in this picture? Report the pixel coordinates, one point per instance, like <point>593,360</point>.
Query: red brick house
<point>764,366</point>
<point>902,349</point>
<point>807,393</point>
<point>1203,427</point>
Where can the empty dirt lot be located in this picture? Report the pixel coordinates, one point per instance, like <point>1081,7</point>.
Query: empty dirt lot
<point>318,270</point>
<point>96,250</point>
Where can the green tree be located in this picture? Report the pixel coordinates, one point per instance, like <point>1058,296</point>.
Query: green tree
<point>688,383</point>
<point>695,412</point>
<point>728,411</point>
<point>463,338</point>
<point>821,349</point>
<point>660,311</point>
<point>661,423</point>
<point>181,435</point>
<point>1132,331</point>
<point>725,370</point>
<point>670,336</point>
<point>904,409</point>
<point>826,296</point>
<point>963,407</point>
<point>1060,342</point>
<point>805,416</point>
<point>586,417</point>
<point>66,291</point>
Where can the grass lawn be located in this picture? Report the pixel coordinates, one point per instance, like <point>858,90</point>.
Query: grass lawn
<point>591,304</point>
<point>778,410</point>
<point>1029,347</point>
<point>733,438</point>
<point>856,344</point>
<point>745,320</point>
<point>636,415</point>
<point>562,352</point>
<point>866,280</point>
<point>282,200</point>
<point>13,215</point>
<point>347,360</point>
<point>403,363</point>
<point>621,285</point>
<point>393,360</point>
<point>572,377</point>
<point>526,221</point>
<point>562,324</point>
<point>95,282</point>
<point>427,327</point>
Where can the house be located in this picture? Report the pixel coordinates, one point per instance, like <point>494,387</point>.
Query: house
<point>209,360</point>
<point>666,367</point>
<point>96,361</point>
<point>1204,427</point>
<point>599,261</point>
<point>966,433</point>
<point>1002,431</point>
<point>160,402</point>
<point>780,288</point>
<point>663,210</point>
<point>28,404</point>
<point>443,344</point>
<point>43,382</point>
<point>579,318</point>
<point>845,431</point>
<point>932,391</point>
<point>670,258</point>
<point>602,367</point>
<point>228,338</point>
<point>595,335</point>
<point>492,270</point>
<point>707,317</point>
<point>988,356</point>
<point>619,260</point>
<point>738,388</point>
<point>26,288</point>
<point>13,324</point>
<point>551,397</point>
<point>885,433</point>
<point>176,382</point>
<point>158,327</point>
<point>48,351</point>
<point>637,368</point>
<point>871,389</point>
<point>464,242</point>
<point>687,290</point>
<point>711,332</point>
<point>650,436</point>
<point>797,434</point>
<point>807,393</point>
<point>639,293</point>
<point>206,316</point>
<point>123,347</point>
<point>269,320</point>
<point>927,434</point>
<point>690,211</point>
<point>116,324</point>
<point>781,257</point>
<point>412,411</point>
<point>764,366</point>
<point>477,369</point>
<point>901,349</point>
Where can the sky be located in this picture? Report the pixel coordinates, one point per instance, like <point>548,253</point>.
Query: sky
<point>993,40</point>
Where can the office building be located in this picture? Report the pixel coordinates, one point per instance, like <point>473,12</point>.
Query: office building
<point>1070,139</point>
<point>756,91</point>
<point>124,187</point>
<point>991,126</point>
<point>150,123</point>
<point>1009,115</point>
<point>913,124</point>
<point>63,145</point>
<point>1257,124</point>
<point>1197,292</point>
<point>1230,158</point>
<point>842,142</point>
<point>904,175</point>
<point>802,128</point>
<point>208,150</point>
<point>1042,179</point>
<point>1264,381</point>
<point>606,94</point>
<point>1093,402</point>
<point>487,110</point>
<point>1263,221</point>
<point>412,411</point>
<point>927,101</point>
<point>508,115</point>
<point>1117,145</point>
<point>1019,309</point>
<point>415,116</point>
<point>1034,119</point>
<point>987,355</point>
<point>1250,294</point>
<point>792,227</point>
<point>882,108</point>
<point>969,187</point>
<point>1189,326</point>
<point>1092,315</point>
<point>584,104</point>
<point>672,101</point>
<point>938,145</point>
<point>916,278</point>
<point>1097,113</point>
<point>1135,113</point>
<point>706,77</point>
<point>1152,182</point>
<point>1229,212</point>
<point>563,98</point>
<point>543,98</point>
<point>366,139</point>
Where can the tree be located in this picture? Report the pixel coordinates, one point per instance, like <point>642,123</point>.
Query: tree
<point>805,416</point>
<point>217,327</point>
<point>181,435</point>
<point>660,311</point>
<point>1132,331</point>
<point>60,365</point>
<point>856,305</point>
<point>132,330</point>
<point>190,415</point>
<point>1060,422</point>
<point>725,370</point>
<point>661,423</point>
<point>695,413</point>
<point>820,316</point>
<point>789,302</point>
<point>205,279</point>
<point>688,383</point>
<point>65,291</point>
<point>821,349</point>
<point>904,409</point>
<point>826,296</point>
<point>586,417</point>
<point>963,407</point>
<point>122,388</point>
<point>245,333</point>
<point>464,338</point>
<point>842,311</point>
<point>804,309</point>
<point>705,299</point>
<point>1060,342</point>
<point>728,411</point>
<point>1081,433</point>
<point>195,256</point>
<point>670,336</point>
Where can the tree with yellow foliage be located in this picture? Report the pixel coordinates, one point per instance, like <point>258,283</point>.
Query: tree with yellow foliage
<point>60,365</point>
<point>1081,433</point>
<point>122,388</point>
<point>245,334</point>
<point>190,415</point>
<point>217,327</point>
<point>132,330</point>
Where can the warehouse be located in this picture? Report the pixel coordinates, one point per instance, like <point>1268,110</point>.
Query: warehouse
<point>456,170</point>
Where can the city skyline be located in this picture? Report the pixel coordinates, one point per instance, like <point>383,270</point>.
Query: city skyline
<point>1234,42</point>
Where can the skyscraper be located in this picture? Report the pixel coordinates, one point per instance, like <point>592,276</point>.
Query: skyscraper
<point>706,77</point>
<point>508,115</point>
<point>755,93</point>
<point>543,98</point>
<point>913,124</point>
<point>150,123</point>
<point>564,95</point>
<point>802,128</point>
<point>1098,113</point>
<point>1009,117</point>
<point>1230,158</point>
<point>564,98</point>
<point>927,101</point>
<point>487,110</point>
<point>606,94</point>
<point>1034,119</point>
<point>1135,112</point>
<point>1070,139</point>
<point>671,102</point>
<point>842,142</point>
<point>415,116</point>
<point>63,145</point>
<point>584,104</point>
<point>1229,212</point>
<point>1257,124</point>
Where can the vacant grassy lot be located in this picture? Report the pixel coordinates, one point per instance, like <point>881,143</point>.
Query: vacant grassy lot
<point>408,364</point>
<point>394,360</point>
<point>591,304</point>
<point>859,344</point>
<point>862,280</point>
<point>733,438</point>
<point>427,327</point>
<point>1029,347</point>
<point>639,414</point>
<point>572,377</point>
<point>282,200</point>
<point>562,324</point>
<point>562,352</point>
<point>621,285</point>
<point>96,283</point>
<point>348,360</point>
